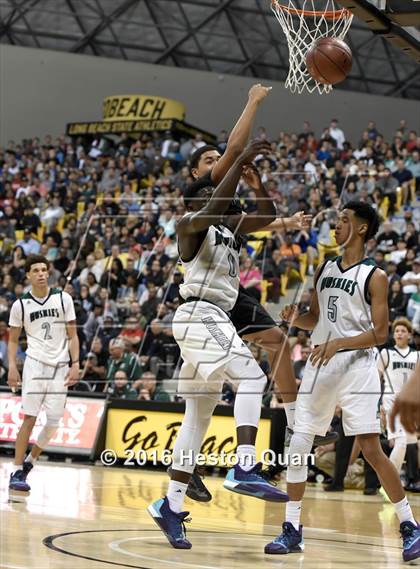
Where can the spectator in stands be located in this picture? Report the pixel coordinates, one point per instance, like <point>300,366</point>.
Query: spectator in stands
<point>121,360</point>
<point>411,279</point>
<point>250,278</point>
<point>29,245</point>
<point>149,389</point>
<point>302,341</point>
<point>299,365</point>
<point>132,334</point>
<point>397,300</point>
<point>388,238</point>
<point>120,387</point>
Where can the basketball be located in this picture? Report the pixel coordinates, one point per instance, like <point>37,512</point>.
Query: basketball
<point>329,61</point>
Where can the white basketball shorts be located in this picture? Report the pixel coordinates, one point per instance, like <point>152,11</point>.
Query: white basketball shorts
<point>208,342</point>
<point>349,380</point>
<point>388,403</point>
<point>43,386</point>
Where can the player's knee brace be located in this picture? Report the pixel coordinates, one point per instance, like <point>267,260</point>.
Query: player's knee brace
<point>300,447</point>
<point>250,380</point>
<point>46,435</point>
<point>246,375</point>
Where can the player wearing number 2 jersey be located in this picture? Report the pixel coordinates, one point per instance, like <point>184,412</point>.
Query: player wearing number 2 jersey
<point>349,316</point>
<point>47,316</point>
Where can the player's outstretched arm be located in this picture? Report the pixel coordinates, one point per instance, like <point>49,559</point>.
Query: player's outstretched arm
<point>298,222</point>
<point>214,209</point>
<point>13,377</point>
<point>407,404</point>
<point>307,320</point>
<point>241,132</point>
<point>377,335</point>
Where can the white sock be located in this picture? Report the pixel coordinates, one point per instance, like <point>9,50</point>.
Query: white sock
<point>176,495</point>
<point>247,456</point>
<point>30,459</point>
<point>403,511</point>
<point>293,510</point>
<point>289,409</point>
<point>17,467</point>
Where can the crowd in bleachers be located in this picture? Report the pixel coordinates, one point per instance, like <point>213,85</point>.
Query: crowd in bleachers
<point>104,212</point>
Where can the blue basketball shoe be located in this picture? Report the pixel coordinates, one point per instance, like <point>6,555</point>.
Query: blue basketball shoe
<point>171,523</point>
<point>18,478</point>
<point>252,483</point>
<point>289,541</point>
<point>410,534</point>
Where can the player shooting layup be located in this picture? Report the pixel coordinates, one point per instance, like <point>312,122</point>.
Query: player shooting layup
<point>48,318</point>
<point>210,347</point>
<point>349,316</point>
<point>251,320</point>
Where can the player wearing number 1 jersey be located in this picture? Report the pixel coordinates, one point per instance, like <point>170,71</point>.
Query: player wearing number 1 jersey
<point>349,316</point>
<point>396,365</point>
<point>47,316</point>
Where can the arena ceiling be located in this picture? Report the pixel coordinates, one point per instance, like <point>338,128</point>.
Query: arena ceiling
<point>240,37</point>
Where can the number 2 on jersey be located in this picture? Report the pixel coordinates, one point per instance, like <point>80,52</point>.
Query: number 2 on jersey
<point>47,327</point>
<point>332,308</point>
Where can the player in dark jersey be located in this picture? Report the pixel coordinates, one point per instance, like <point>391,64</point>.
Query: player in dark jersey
<point>251,320</point>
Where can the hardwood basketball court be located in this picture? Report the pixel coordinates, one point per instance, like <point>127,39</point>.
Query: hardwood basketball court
<point>92,516</point>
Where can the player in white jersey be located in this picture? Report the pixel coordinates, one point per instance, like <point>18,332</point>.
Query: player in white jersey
<point>407,404</point>
<point>210,346</point>
<point>395,365</point>
<point>349,316</point>
<point>47,316</point>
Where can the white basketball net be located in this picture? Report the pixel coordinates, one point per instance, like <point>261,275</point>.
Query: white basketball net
<point>304,24</point>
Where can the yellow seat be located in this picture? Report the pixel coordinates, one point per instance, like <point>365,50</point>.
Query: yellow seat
<point>384,208</point>
<point>264,289</point>
<point>40,232</point>
<point>398,203</point>
<point>303,265</point>
<point>19,234</point>
<point>80,209</point>
<point>324,249</point>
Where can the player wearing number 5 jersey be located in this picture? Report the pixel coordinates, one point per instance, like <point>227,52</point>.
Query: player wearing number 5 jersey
<point>349,316</point>
<point>47,316</point>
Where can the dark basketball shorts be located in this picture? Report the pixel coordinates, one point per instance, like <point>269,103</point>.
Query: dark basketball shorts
<point>248,316</point>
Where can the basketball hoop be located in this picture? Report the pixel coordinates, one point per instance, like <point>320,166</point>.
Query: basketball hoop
<point>304,26</point>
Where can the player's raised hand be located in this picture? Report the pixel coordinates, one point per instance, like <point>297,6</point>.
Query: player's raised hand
<point>322,354</point>
<point>258,92</point>
<point>252,150</point>
<point>300,221</point>
<point>251,176</point>
<point>13,379</point>
<point>289,313</point>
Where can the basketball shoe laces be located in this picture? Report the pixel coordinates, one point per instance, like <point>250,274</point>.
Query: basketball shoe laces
<point>179,524</point>
<point>408,534</point>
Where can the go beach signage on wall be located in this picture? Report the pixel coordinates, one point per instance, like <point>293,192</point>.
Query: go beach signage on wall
<point>138,113</point>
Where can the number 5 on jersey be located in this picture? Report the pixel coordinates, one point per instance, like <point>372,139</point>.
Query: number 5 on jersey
<point>332,308</point>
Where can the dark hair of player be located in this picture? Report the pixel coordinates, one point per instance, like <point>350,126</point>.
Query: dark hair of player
<point>195,157</point>
<point>367,213</point>
<point>33,260</point>
<point>402,322</point>
<point>192,190</point>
